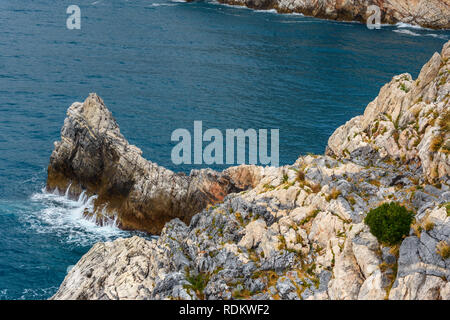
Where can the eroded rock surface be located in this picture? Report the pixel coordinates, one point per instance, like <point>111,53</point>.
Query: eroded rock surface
<point>426,13</point>
<point>299,232</point>
<point>93,156</point>
<point>407,122</point>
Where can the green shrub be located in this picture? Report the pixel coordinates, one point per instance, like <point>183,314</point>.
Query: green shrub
<point>404,88</point>
<point>390,222</point>
<point>197,283</point>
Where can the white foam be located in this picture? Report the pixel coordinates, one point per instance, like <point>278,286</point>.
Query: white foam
<point>402,25</point>
<point>408,32</point>
<point>230,5</point>
<point>165,4</point>
<point>67,191</point>
<point>237,6</point>
<point>58,214</point>
<point>28,294</point>
<point>439,36</point>
<point>267,11</point>
<point>415,34</point>
<point>69,268</point>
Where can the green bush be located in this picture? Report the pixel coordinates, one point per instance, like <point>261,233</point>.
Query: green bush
<point>390,222</point>
<point>197,283</point>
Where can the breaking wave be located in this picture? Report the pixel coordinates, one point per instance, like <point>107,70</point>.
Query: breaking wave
<point>418,31</point>
<point>57,214</point>
<point>408,32</point>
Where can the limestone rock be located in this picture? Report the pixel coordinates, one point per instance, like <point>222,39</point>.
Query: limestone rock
<point>288,235</point>
<point>408,121</point>
<point>426,13</point>
<point>111,271</point>
<point>93,156</point>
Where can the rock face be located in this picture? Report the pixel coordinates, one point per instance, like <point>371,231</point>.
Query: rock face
<point>299,232</point>
<point>94,157</point>
<point>409,122</point>
<point>426,13</point>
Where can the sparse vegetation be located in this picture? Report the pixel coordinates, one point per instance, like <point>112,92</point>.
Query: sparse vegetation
<point>282,244</point>
<point>197,283</point>
<point>397,121</point>
<point>301,179</point>
<point>417,228</point>
<point>389,223</point>
<point>243,294</point>
<point>375,183</point>
<point>395,250</point>
<point>428,226</point>
<point>334,194</point>
<point>404,88</point>
<point>315,187</point>
<point>268,187</point>
<point>436,143</point>
<point>444,122</point>
<point>210,207</point>
<point>443,249</point>
<point>351,200</point>
<point>310,217</point>
<point>272,278</point>
<point>415,180</point>
<point>396,136</point>
<point>239,218</point>
<point>300,175</point>
<point>375,127</point>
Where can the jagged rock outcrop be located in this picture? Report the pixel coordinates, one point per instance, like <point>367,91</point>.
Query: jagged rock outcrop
<point>426,13</point>
<point>409,121</point>
<point>93,156</point>
<point>299,232</point>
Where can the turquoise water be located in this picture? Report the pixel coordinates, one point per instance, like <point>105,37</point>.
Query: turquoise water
<point>159,66</point>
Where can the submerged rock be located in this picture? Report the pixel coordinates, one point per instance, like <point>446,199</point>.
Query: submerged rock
<point>298,231</point>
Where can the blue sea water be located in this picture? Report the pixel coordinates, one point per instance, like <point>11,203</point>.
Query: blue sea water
<point>160,65</point>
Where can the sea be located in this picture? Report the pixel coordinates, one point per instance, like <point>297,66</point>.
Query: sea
<point>159,66</point>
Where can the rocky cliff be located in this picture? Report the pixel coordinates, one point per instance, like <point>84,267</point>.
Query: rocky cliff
<point>407,122</point>
<point>93,156</point>
<point>299,232</point>
<point>426,13</point>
